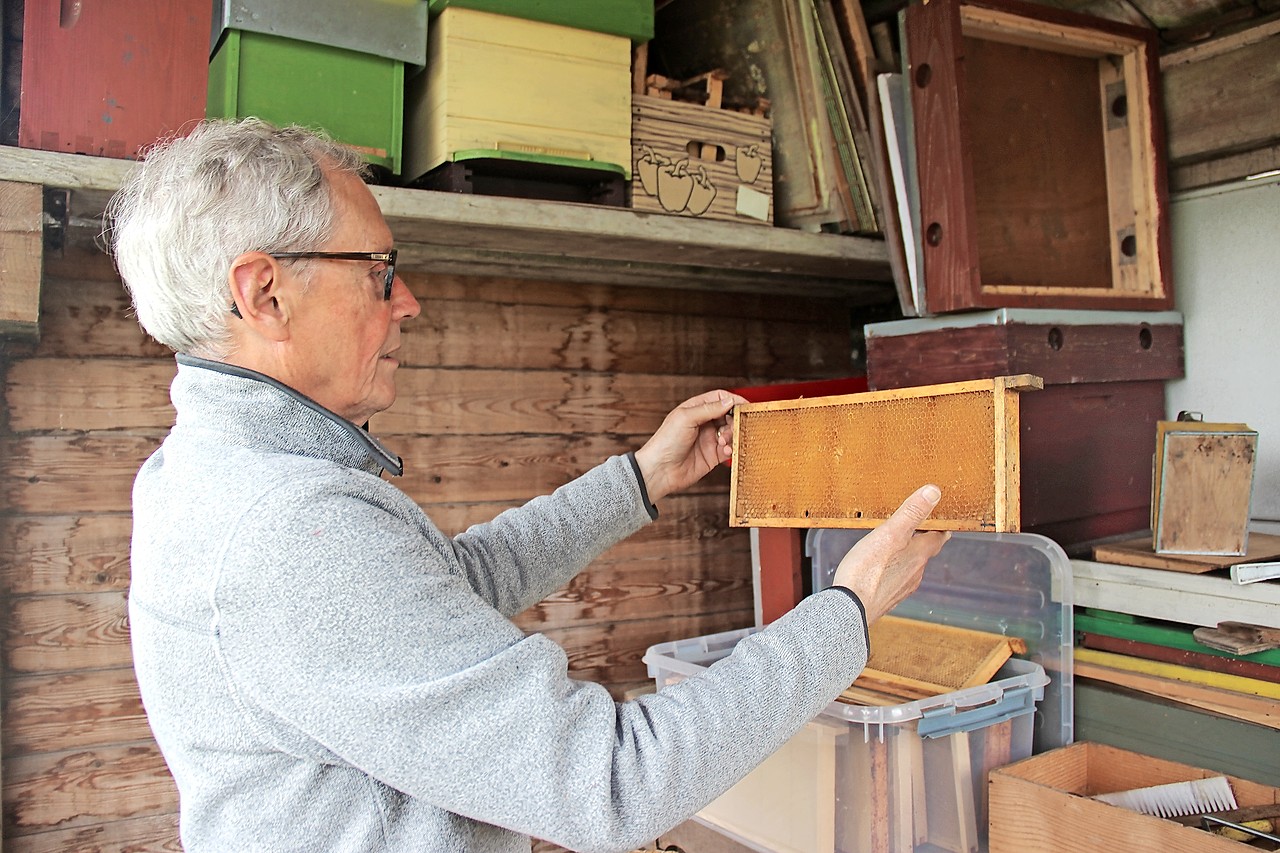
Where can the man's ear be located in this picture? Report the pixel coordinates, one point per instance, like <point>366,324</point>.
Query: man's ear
<point>255,281</point>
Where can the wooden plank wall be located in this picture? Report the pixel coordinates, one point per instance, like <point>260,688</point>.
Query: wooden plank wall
<point>508,389</point>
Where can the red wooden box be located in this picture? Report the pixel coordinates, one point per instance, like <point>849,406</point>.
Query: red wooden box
<point>108,79</point>
<point>1040,154</point>
<point>1087,439</point>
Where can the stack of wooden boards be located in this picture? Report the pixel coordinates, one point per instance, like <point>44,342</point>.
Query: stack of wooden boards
<point>1194,655</point>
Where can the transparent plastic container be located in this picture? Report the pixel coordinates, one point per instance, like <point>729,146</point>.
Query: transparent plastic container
<point>1015,584</point>
<point>857,778</point>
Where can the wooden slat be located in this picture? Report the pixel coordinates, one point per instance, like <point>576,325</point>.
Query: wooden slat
<point>64,553</point>
<point>87,317</point>
<point>89,394</point>
<point>1140,552</point>
<point>81,788</point>
<point>79,710</point>
<point>635,590</point>
<point>495,402</point>
<point>21,257</point>
<point>1202,123</point>
<point>463,334</point>
<point>449,469</point>
<point>692,304</point>
<point>153,834</point>
<point>63,633</point>
<point>46,473</point>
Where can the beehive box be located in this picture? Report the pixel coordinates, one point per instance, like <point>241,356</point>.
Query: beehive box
<point>495,83</point>
<point>1044,804</point>
<point>850,460</point>
<point>1039,145</point>
<point>109,79</point>
<point>698,161</point>
<point>356,97</point>
<point>1087,439</point>
<point>630,18</point>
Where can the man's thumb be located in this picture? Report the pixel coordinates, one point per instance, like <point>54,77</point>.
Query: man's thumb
<point>916,508</point>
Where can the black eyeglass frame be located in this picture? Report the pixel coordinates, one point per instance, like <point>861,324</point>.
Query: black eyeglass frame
<point>388,258</point>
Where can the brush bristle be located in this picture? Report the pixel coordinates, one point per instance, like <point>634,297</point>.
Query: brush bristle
<point>1176,799</point>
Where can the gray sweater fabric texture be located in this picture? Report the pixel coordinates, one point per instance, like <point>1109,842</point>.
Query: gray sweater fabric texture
<point>325,670</point>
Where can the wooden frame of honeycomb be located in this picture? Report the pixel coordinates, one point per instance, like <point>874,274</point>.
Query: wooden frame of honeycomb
<point>850,460</point>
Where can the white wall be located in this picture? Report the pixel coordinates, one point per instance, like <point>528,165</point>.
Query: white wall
<point>1226,271</point>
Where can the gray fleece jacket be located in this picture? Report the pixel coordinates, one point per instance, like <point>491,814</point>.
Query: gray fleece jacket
<point>324,670</point>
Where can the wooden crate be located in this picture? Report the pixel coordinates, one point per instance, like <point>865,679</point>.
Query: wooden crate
<point>1043,803</point>
<point>849,461</point>
<point>495,83</point>
<point>1201,487</point>
<point>1087,439</point>
<point>695,160</point>
<point>1040,152</point>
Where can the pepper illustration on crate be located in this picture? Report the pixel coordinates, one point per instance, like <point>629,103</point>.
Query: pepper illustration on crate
<point>679,189</point>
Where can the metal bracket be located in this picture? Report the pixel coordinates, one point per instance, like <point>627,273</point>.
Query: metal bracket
<point>56,205</point>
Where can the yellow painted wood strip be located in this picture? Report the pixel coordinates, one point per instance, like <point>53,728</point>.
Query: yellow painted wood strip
<point>1177,672</point>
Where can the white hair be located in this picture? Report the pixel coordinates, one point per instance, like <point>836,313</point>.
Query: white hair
<point>195,203</point>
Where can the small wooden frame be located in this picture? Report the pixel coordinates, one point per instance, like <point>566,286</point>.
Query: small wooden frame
<point>1201,487</point>
<point>850,460</point>
<point>1040,153</point>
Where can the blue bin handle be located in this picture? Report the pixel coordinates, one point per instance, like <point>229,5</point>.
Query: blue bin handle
<point>949,720</point>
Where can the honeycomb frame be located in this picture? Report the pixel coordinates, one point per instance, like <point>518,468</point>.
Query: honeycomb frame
<point>850,460</point>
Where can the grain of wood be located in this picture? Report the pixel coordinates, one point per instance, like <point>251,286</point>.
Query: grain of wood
<point>21,256</point>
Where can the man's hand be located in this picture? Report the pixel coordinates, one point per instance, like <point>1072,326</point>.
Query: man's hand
<point>886,565</point>
<point>693,439</point>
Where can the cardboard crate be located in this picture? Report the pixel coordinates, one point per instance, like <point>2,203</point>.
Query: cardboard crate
<point>1044,803</point>
<point>693,160</point>
<point>1039,145</point>
<point>499,84</point>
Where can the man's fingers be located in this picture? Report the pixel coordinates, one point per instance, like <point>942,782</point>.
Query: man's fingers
<point>916,508</point>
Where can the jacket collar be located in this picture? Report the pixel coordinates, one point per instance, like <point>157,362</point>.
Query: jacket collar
<point>271,413</point>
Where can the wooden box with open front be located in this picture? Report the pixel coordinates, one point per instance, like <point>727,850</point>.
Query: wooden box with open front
<point>1039,147</point>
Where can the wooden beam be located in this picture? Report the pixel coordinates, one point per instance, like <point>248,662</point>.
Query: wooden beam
<point>21,258</point>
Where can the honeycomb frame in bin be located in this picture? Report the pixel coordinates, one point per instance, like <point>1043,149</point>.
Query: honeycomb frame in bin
<point>850,460</point>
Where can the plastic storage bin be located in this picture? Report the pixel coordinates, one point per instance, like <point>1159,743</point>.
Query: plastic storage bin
<point>905,777</point>
<point>1016,584</point>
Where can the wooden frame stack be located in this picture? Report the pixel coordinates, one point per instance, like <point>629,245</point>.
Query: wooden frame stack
<point>850,460</point>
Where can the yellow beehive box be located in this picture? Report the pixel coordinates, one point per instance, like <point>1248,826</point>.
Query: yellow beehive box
<point>499,84</point>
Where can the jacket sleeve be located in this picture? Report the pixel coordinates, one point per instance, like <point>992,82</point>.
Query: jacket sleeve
<point>526,553</point>
<point>371,652</point>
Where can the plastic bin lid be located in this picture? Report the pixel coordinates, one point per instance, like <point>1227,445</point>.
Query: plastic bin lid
<point>1015,584</point>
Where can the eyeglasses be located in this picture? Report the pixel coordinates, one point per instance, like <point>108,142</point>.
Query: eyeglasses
<point>388,258</point>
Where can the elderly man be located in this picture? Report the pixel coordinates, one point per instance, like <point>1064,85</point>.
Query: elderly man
<point>322,667</point>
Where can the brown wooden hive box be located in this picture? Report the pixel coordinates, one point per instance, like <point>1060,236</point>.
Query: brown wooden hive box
<point>1088,438</point>
<point>1039,147</point>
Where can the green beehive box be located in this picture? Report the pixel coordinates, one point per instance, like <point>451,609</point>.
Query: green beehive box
<point>356,97</point>
<point>630,18</point>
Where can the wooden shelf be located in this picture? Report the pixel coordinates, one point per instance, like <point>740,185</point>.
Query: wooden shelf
<point>1203,600</point>
<point>519,238</point>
